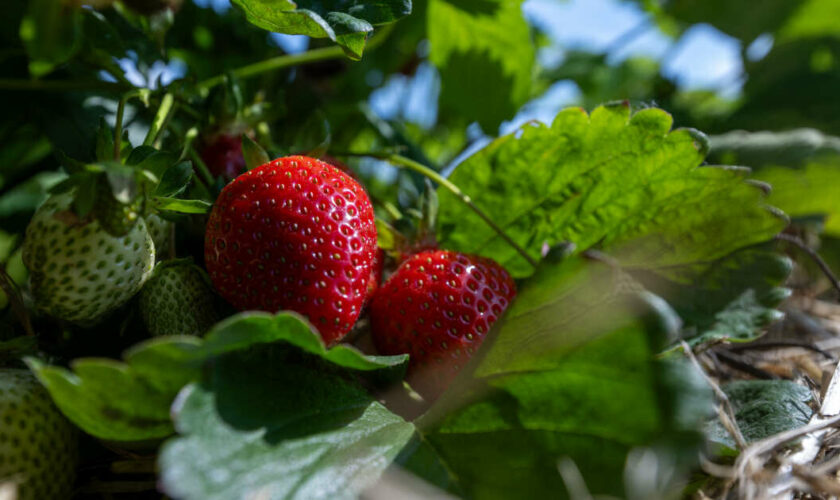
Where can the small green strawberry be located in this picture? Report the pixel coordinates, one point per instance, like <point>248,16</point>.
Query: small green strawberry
<point>79,272</point>
<point>178,300</point>
<point>37,444</point>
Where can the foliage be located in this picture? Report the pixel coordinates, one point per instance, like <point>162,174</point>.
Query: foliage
<point>627,229</point>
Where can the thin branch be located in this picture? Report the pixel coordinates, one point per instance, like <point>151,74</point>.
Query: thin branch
<point>738,363</point>
<point>402,161</point>
<point>160,120</point>
<point>275,63</point>
<point>797,242</point>
<point>725,411</point>
<point>780,344</point>
<point>203,171</point>
<point>118,122</point>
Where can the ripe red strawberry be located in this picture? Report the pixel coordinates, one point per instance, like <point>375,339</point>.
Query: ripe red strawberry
<point>437,307</point>
<point>335,162</point>
<point>223,156</point>
<point>295,233</point>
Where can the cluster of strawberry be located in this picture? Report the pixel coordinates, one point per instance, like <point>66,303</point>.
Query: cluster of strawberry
<point>299,234</point>
<point>295,234</point>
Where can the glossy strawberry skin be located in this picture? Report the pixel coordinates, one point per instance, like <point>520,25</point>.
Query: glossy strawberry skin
<point>437,307</point>
<point>297,234</point>
<point>223,156</point>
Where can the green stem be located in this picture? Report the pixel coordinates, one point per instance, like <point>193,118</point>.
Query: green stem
<point>402,161</point>
<point>119,120</point>
<point>202,167</point>
<point>62,85</point>
<point>274,63</point>
<point>162,116</point>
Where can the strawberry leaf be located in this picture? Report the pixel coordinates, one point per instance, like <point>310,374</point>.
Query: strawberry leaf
<point>346,23</point>
<point>574,355</point>
<point>733,299</point>
<point>154,371</point>
<point>802,166</point>
<point>763,408</point>
<point>303,431</point>
<point>624,182</point>
<point>254,154</point>
<point>180,206</point>
<point>485,55</point>
<point>175,179</point>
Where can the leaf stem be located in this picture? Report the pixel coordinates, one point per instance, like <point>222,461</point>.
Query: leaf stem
<point>403,162</point>
<point>274,63</point>
<point>797,242</point>
<point>118,122</point>
<point>162,116</point>
<point>203,171</point>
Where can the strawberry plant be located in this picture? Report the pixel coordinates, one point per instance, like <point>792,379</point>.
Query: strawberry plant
<point>267,249</point>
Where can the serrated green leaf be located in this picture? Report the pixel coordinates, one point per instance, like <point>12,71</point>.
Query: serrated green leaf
<point>809,191</point>
<point>343,21</point>
<point>254,154</point>
<point>154,371</point>
<point>763,408</point>
<point>791,148</point>
<point>624,182</point>
<point>733,299</point>
<point>573,356</point>
<point>297,432</point>
<point>802,166</point>
<point>175,180</point>
<point>485,55</point>
<point>181,206</point>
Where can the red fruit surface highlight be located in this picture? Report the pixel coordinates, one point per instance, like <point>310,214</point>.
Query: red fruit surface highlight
<point>297,234</point>
<point>223,156</point>
<point>437,307</point>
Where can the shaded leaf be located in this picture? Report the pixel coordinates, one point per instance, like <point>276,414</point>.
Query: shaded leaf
<point>155,370</point>
<point>252,429</point>
<point>733,299</point>
<point>763,408</point>
<point>254,154</point>
<point>485,55</point>
<point>802,166</point>
<point>175,180</point>
<point>571,370</point>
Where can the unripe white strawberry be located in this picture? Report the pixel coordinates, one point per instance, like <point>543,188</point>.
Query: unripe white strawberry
<point>79,272</point>
<point>37,444</point>
<point>179,300</point>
